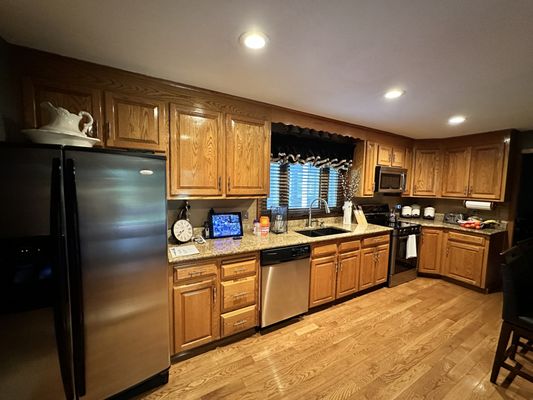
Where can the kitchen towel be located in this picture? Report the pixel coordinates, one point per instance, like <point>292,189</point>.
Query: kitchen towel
<point>410,251</point>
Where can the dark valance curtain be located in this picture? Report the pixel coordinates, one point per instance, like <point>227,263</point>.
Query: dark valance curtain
<point>292,144</point>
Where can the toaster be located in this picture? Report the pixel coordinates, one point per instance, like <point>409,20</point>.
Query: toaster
<point>452,218</point>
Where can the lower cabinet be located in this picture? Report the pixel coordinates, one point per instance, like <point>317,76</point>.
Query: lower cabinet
<point>323,280</point>
<point>374,261</point>
<point>214,299</point>
<point>430,251</point>
<point>342,268</point>
<point>195,314</point>
<point>464,257</point>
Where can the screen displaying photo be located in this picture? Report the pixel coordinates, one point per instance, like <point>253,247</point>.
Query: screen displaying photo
<point>226,225</point>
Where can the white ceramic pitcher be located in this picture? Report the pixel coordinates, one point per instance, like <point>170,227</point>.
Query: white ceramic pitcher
<point>63,121</point>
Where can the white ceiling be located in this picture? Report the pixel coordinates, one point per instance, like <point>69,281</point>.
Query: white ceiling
<point>333,58</point>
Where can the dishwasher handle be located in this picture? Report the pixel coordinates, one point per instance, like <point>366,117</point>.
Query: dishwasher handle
<point>284,254</point>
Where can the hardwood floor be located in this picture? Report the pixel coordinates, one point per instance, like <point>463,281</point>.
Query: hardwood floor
<point>427,339</point>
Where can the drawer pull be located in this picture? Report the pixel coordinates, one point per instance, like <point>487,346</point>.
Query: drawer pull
<point>240,294</point>
<point>195,273</point>
<point>237,270</point>
<point>241,322</point>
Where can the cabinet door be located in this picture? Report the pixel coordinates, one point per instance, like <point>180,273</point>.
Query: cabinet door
<point>196,152</point>
<point>196,312</point>
<point>425,172</point>
<point>371,154</point>
<point>323,279</point>
<point>430,251</point>
<point>366,270</point>
<point>71,97</point>
<point>398,157</point>
<point>384,155</point>
<point>408,164</point>
<point>464,262</point>
<point>381,270</point>
<point>456,171</point>
<point>136,122</point>
<point>348,273</point>
<point>486,172</point>
<point>248,156</point>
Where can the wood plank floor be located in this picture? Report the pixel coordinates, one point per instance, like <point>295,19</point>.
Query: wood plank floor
<point>427,339</point>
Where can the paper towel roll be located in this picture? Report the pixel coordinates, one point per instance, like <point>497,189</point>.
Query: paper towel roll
<point>479,205</point>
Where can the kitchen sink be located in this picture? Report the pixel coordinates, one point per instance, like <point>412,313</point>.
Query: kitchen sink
<point>322,231</point>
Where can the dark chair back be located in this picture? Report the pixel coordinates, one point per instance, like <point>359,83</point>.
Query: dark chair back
<point>517,282</point>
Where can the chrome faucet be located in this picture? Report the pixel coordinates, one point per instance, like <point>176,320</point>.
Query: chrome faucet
<point>311,207</point>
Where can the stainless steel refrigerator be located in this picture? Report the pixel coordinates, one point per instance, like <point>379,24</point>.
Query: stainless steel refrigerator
<point>83,272</point>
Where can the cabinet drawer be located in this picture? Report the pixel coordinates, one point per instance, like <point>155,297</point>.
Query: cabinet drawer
<point>352,245</point>
<point>239,268</point>
<point>237,321</point>
<point>238,293</point>
<point>374,241</point>
<point>324,250</point>
<point>184,273</point>
<point>461,237</point>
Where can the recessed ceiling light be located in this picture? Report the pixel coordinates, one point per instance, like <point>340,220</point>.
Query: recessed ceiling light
<point>254,40</point>
<point>394,93</point>
<point>456,120</point>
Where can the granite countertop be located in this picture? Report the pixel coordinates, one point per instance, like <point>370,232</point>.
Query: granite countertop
<point>441,224</point>
<point>250,242</point>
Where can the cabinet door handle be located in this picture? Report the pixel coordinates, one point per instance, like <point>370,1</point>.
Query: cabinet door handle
<point>229,183</point>
<point>214,295</point>
<point>108,130</point>
<point>219,183</point>
<point>447,250</point>
<point>466,190</point>
<point>470,190</point>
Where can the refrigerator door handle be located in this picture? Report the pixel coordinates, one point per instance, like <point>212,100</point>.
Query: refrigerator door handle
<point>76,287</point>
<point>59,273</point>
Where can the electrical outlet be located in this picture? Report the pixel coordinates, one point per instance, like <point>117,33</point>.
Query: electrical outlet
<point>245,215</point>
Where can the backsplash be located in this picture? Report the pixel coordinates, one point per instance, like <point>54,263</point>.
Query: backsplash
<point>200,208</point>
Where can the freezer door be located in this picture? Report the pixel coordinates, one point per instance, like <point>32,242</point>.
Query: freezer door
<point>119,207</point>
<point>34,326</point>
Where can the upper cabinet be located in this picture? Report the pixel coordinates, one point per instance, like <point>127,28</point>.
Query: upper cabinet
<point>456,172</point>
<point>136,122</point>
<point>474,172</point>
<point>409,167</point>
<point>425,173</point>
<point>211,159</point>
<point>391,156</point>
<point>369,168</point>
<point>487,172</point>
<point>71,97</point>
<point>196,152</point>
<point>247,156</point>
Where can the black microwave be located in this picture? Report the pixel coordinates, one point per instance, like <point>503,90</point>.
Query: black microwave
<point>390,179</point>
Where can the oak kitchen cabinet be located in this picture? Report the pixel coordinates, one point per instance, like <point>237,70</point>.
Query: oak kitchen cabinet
<point>136,122</point>
<point>409,166</point>
<point>214,299</point>
<point>247,156</point>
<point>210,158</point>
<point>474,172</point>
<point>472,258</point>
<point>74,98</point>
<point>369,168</point>
<point>430,251</point>
<point>374,261</point>
<point>426,172</point>
<point>390,156</point>
<point>195,307</point>
<point>334,271</point>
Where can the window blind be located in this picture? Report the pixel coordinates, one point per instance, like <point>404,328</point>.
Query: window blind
<point>297,185</point>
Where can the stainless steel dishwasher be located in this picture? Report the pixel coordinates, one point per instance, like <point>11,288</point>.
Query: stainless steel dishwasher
<point>284,283</point>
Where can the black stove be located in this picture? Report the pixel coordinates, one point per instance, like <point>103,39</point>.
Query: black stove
<point>378,214</point>
<point>404,228</point>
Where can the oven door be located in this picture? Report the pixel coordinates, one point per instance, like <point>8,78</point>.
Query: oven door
<point>401,263</point>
